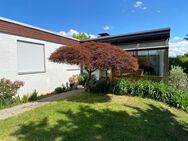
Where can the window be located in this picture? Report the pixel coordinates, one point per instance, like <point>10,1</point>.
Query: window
<point>156,60</point>
<point>31,58</point>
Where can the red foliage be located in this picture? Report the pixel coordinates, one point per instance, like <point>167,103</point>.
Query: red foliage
<point>144,64</point>
<point>70,55</point>
<point>96,55</point>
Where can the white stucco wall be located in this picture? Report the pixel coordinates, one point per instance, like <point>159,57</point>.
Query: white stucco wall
<point>55,74</point>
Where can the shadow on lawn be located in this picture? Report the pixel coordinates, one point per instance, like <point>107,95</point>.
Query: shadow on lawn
<point>89,124</point>
<point>85,97</point>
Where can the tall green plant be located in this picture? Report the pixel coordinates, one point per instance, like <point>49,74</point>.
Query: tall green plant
<point>155,90</point>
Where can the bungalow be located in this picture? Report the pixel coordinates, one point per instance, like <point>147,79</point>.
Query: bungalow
<point>25,49</point>
<point>152,46</point>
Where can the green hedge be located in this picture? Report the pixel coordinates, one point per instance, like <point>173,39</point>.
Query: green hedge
<point>155,90</point>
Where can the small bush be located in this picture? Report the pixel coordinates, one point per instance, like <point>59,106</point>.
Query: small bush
<point>33,96</point>
<point>9,88</point>
<point>6,103</point>
<point>102,86</point>
<point>91,84</point>
<point>98,86</point>
<point>25,98</point>
<point>82,78</point>
<point>155,90</point>
<point>178,78</point>
<point>59,90</point>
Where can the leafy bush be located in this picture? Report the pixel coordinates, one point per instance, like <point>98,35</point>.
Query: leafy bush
<point>155,90</point>
<point>59,90</point>
<point>91,84</point>
<point>33,96</point>
<point>25,98</point>
<point>9,88</point>
<point>178,78</point>
<point>82,78</point>
<point>98,86</point>
<point>6,103</point>
<point>102,85</point>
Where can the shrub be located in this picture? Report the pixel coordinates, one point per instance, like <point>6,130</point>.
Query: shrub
<point>155,90</point>
<point>98,86</point>
<point>178,78</point>
<point>59,90</point>
<point>25,98</point>
<point>33,96</point>
<point>6,103</point>
<point>9,88</point>
<point>102,86</point>
<point>82,78</point>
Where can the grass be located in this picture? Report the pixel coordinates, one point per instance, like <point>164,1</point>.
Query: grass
<point>90,117</point>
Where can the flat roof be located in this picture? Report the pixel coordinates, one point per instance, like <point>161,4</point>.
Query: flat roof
<point>147,34</point>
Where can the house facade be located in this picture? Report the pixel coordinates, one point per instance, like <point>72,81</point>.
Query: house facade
<point>152,46</point>
<point>25,49</point>
<point>24,53</point>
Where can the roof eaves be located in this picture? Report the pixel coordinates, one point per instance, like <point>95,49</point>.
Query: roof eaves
<point>36,28</point>
<point>131,34</point>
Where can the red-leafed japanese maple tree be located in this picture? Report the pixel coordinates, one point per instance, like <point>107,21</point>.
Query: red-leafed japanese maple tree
<point>95,55</point>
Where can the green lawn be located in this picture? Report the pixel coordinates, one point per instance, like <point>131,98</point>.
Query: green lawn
<point>89,117</point>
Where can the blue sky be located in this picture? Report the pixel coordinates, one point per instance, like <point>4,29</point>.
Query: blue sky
<point>96,16</point>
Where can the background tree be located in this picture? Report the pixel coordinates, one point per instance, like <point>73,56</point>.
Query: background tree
<point>81,36</point>
<point>96,55</point>
<point>181,60</point>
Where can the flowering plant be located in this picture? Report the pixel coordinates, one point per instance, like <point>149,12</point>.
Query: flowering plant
<point>73,80</point>
<point>9,88</point>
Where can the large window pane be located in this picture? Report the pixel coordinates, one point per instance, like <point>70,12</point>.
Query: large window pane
<point>156,61</point>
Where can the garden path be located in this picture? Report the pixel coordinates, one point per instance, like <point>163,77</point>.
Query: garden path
<point>12,111</point>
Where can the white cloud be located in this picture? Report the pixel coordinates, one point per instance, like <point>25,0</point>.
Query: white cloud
<point>106,27</point>
<point>178,47</point>
<point>73,31</point>
<point>177,38</point>
<point>69,33</point>
<point>140,5</point>
<point>92,36</point>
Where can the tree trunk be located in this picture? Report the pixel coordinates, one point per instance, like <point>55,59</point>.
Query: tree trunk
<point>89,75</point>
<point>106,75</point>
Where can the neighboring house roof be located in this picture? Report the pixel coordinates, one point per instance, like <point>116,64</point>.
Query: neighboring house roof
<point>157,34</point>
<point>21,29</point>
